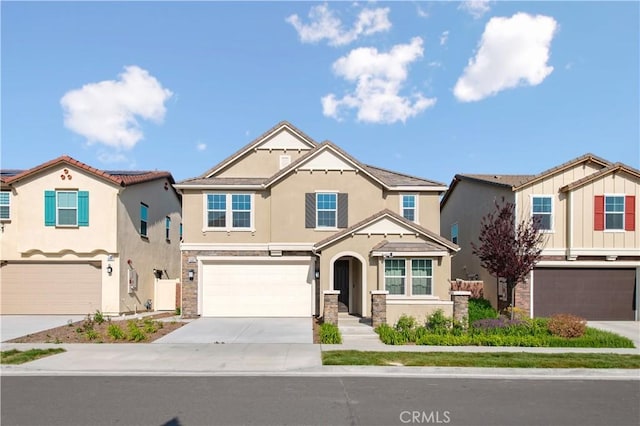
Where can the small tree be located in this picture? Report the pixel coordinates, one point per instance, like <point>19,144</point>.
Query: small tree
<point>508,249</point>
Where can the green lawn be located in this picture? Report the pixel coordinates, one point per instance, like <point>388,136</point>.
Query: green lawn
<point>15,356</point>
<point>489,359</point>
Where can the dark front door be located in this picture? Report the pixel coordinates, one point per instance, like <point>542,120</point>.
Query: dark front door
<point>341,282</point>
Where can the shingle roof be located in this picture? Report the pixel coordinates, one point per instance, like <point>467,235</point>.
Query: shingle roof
<point>121,178</point>
<point>405,247</point>
<point>586,158</point>
<point>504,180</point>
<point>392,178</point>
<point>386,212</point>
<point>227,161</point>
<point>230,181</point>
<point>613,168</point>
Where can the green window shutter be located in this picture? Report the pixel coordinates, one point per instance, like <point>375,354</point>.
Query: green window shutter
<point>83,208</point>
<point>49,208</point>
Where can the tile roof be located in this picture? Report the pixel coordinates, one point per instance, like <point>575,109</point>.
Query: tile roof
<point>250,145</point>
<point>613,168</point>
<point>121,178</point>
<point>386,212</point>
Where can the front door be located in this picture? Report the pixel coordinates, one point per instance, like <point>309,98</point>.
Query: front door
<point>341,282</point>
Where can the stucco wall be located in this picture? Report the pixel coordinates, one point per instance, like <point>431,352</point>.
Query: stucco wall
<point>428,208</point>
<point>419,312</point>
<point>261,163</point>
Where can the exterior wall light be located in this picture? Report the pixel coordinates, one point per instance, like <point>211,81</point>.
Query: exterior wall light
<point>191,273</point>
<point>109,270</point>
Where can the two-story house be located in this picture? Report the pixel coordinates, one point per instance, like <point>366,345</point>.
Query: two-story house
<point>76,239</point>
<point>271,228</point>
<point>590,264</point>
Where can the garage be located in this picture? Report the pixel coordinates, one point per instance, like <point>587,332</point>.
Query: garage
<point>50,288</point>
<point>257,288</point>
<point>594,294</point>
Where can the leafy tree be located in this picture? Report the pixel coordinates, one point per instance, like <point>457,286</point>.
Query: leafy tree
<point>508,249</point>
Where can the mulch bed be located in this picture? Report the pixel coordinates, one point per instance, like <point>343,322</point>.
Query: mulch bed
<point>76,332</point>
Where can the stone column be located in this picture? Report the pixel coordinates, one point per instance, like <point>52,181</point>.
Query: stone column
<point>378,307</point>
<point>330,312</point>
<point>460,301</point>
<point>189,290</point>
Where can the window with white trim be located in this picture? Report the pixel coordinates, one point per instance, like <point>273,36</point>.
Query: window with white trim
<point>409,207</point>
<point>67,208</point>
<point>5,205</point>
<point>229,211</point>
<point>326,210</point>
<point>144,219</point>
<point>614,212</point>
<point>167,228</point>
<point>542,211</point>
<point>419,275</point>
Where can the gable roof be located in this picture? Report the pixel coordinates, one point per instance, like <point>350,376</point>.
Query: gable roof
<point>586,158</point>
<point>386,213</point>
<point>386,178</point>
<point>121,178</point>
<point>612,169</point>
<point>255,143</point>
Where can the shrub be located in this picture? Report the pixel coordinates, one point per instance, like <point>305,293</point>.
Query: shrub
<point>135,333</point>
<point>480,309</point>
<point>567,325</point>
<point>178,310</point>
<point>98,317</point>
<point>91,334</point>
<point>115,332</point>
<point>491,324</point>
<point>406,322</point>
<point>516,313</point>
<point>438,323</point>
<point>150,326</point>
<point>330,334</point>
<point>390,336</point>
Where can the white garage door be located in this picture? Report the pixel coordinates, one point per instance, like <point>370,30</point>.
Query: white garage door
<point>257,289</point>
<point>50,288</point>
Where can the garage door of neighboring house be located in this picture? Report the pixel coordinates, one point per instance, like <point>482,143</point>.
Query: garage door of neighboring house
<point>50,288</point>
<point>256,289</point>
<point>594,294</point>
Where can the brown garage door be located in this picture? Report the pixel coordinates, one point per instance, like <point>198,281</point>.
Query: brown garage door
<point>594,294</point>
<point>50,288</point>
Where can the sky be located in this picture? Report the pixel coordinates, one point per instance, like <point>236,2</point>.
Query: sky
<point>429,89</point>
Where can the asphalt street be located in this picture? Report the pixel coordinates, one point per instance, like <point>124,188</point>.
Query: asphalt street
<point>185,401</point>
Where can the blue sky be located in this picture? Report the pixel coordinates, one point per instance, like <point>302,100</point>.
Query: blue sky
<point>426,88</point>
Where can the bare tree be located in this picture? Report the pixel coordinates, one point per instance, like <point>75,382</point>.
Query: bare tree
<point>507,249</point>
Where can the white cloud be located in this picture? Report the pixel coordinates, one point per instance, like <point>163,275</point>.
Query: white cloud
<point>324,24</point>
<point>444,37</point>
<point>107,112</point>
<point>422,13</point>
<point>379,77</point>
<point>110,157</point>
<point>512,52</point>
<point>201,146</point>
<point>476,8</point>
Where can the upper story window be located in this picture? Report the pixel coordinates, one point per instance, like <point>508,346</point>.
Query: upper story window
<point>541,211</point>
<point>419,274</point>
<point>144,219</point>
<point>5,205</point>
<point>326,210</point>
<point>614,213</point>
<point>229,211</point>
<point>454,233</point>
<point>167,227</point>
<point>409,206</point>
<point>66,208</point>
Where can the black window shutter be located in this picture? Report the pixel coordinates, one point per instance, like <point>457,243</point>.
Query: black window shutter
<point>310,210</point>
<point>343,210</point>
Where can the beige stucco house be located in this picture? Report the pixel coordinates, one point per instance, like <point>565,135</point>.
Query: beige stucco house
<point>590,263</point>
<point>270,229</point>
<point>76,239</point>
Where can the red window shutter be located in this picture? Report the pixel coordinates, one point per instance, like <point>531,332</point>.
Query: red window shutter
<point>598,218</point>
<point>630,213</point>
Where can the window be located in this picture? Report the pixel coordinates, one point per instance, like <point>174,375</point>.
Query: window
<point>5,205</point>
<point>394,275</point>
<point>66,208</point>
<point>144,217</point>
<point>229,211</point>
<point>614,212</point>
<point>421,277</point>
<point>409,207</point>
<point>167,227</point>
<point>180,232</point>
<point>541,211</point>
<point>326,210</point>
<point>454,233</point>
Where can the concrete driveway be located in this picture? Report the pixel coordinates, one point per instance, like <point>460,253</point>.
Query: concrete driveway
<point>243,330</point>
<point>12,326</point>
<point>628,329</point>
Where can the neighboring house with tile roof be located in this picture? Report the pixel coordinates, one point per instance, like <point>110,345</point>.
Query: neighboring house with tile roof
<point>76,239</point>
<point>271,228</point>
<point>590,263</point>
